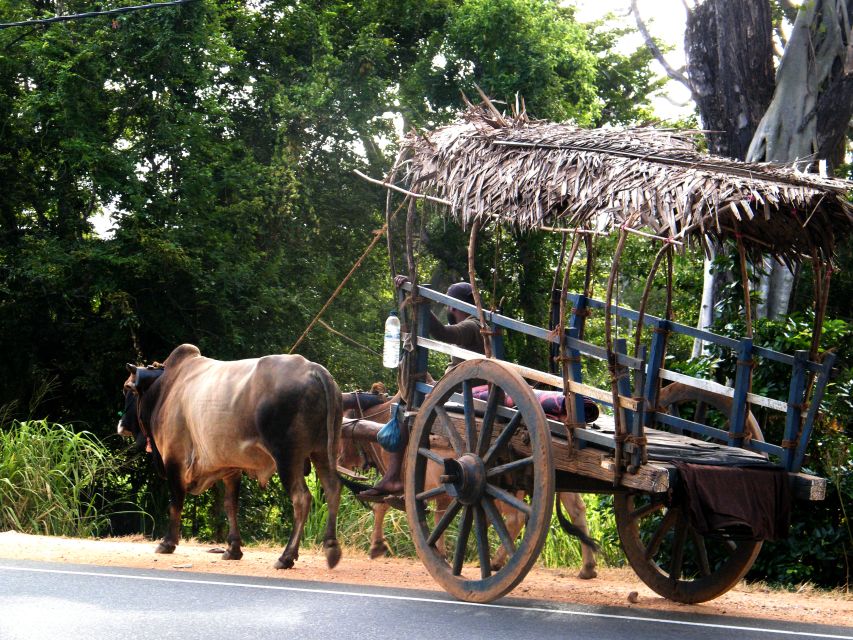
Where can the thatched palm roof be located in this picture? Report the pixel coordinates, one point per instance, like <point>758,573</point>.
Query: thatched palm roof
<point>534,174</point>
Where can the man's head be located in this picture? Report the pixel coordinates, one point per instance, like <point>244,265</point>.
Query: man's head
<point>461,291</point>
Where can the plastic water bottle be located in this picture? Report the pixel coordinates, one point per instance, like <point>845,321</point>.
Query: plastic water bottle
<point>391,344</point>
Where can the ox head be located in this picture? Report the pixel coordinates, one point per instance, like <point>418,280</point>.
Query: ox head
<point>137,383</point>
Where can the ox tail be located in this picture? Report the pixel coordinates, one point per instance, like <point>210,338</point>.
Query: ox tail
<point>334,415</point>
<point>572,530</point>
<point>354,485</point>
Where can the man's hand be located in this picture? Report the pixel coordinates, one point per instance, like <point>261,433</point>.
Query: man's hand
<point>399,281</point>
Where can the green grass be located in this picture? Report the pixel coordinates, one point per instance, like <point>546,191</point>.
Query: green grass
<point>49,479</point>
<point>355,524</point>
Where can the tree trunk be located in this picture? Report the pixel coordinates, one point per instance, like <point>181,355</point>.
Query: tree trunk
<point>706,310</point>
<point>814,90</point>
<point>730,66</point>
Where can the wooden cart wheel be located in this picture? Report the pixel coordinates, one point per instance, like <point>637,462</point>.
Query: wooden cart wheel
<point>487,459</point>
<point>676,398</point>
<point>674,559</point>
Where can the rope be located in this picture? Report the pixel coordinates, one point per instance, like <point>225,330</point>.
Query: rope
<point>376,236</point>
<point>330,329</point>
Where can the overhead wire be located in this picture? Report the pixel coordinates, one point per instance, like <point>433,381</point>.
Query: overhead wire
<point>92,14</point>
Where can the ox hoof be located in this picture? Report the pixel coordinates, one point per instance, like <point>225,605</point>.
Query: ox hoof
<point>165,547</point>
<point>284,563</point>
<point>588,573</point>
<point>230,554</point>
<point>333,553</point>
<point>380,550</point>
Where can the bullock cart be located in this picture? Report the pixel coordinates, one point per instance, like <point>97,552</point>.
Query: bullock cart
<point>664,435</point>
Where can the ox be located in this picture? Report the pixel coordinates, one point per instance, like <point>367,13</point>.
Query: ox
<point>375,407</point>
<point>206,420</point>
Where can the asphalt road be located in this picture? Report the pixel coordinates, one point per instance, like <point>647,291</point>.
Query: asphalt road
<point>66,602</point>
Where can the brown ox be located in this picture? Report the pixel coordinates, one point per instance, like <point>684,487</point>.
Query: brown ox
<point>207,420</point>
<point>364,454</point>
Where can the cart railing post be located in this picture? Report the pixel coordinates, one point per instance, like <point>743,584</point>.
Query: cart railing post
<point>640,455</point>
<point>660,328</point>
<point>794,415</point>
<point>814,407</point>
<point>422,353</point>
<point>575,403</point>
<point>575,370</point>
<point>743,382</point>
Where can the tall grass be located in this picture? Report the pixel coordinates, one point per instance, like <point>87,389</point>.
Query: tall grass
<point>355,525</point>
<point>49,479</point>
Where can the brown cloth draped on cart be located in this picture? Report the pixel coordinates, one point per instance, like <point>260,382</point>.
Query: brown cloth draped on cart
<point>719,497</point>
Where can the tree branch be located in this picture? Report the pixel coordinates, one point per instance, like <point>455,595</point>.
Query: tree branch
<point>655,50</point>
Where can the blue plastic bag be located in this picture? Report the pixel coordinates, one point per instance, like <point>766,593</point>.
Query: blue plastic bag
<point>389,436</point>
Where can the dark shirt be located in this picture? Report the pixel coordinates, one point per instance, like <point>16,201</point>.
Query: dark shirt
<point>465,334</point>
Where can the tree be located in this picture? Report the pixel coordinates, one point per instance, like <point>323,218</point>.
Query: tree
<point>800,114</point>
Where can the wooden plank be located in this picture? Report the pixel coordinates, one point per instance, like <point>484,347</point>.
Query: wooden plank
<point>530,374</point>
<point>721,389</point>
<point>806,487</point>
<point>590,462</point>
<point>597,464</point>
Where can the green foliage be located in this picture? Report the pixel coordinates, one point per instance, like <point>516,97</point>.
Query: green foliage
<point>52,480</point>
<point>820,544</point>
<point>219,140</point>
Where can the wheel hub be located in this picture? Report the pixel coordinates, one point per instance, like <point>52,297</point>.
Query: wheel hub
<point>465,478</point>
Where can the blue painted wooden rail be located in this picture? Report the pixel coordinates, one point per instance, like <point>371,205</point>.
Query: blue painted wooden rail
<point>644,375</point>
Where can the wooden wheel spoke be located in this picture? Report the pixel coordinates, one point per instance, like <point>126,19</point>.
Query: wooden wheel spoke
<point>428,453</point>
<point>645,510</point>
<point>481,532</point>
<point>504,437</point>
<point>496,394</point>
<point>445,521</point>
<point>677,558</point>
<point>508,498</point>
<point>499,525</point>
<point>509,466</point>
<point>486,507</point>
<point>657,537</point>
<point>470,417</point>
<point>462,541</point>
<point>450,431</point>
<point>701,552</point>
<point>429,494</point>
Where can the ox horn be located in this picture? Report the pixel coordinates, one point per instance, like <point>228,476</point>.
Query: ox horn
<point>131,367</point>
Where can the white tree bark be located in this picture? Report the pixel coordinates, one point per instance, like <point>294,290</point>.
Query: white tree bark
<point>706,310</point>
<point>788,131</point>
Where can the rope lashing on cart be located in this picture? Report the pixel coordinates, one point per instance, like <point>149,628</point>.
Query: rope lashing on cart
<point>472,276</point>
<point>618,416</point>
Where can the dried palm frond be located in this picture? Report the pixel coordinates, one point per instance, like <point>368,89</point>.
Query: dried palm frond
<point>537,174</point>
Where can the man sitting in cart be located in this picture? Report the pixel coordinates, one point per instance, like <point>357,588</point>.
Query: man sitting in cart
<point>462,330</point>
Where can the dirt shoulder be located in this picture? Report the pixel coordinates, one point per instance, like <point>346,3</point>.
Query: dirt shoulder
<point>613,587</point>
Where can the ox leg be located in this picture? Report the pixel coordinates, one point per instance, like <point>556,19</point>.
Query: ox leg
<point>290,471</point>
<point>378,544</point>
<point>232,496</point>
<point>576,508</point>
<point>332,488</point>
<point>514,521</point>
<point>176,507</point>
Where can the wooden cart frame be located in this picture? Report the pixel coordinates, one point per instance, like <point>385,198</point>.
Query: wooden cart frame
<point>497,459</point>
